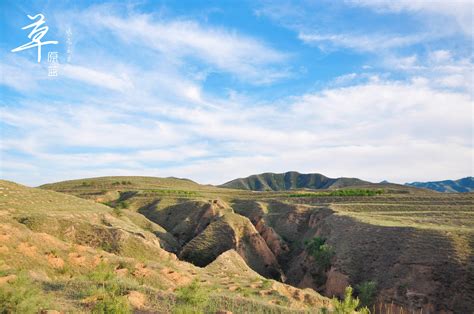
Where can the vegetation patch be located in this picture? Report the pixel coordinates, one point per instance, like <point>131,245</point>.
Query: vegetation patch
<point>366,292</point>
<point>349,305</point>
<point>184,193</point>
<point>22,295</point>
<point>192,296</point>
<point>106,291</point>
<point>321,252</point>
<point>345,192</point>
<point>122,183</point>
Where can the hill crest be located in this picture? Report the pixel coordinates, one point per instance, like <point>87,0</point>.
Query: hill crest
<point>448,186</point>
<point>290,180</point>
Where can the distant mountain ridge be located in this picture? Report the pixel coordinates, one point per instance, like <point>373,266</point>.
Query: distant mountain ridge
<point>462,185</point>
<point>290,180</point>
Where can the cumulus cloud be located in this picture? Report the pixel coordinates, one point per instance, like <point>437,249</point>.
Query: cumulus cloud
<point>440,67</point>
<point>155,117</point>
<point>375,130</point>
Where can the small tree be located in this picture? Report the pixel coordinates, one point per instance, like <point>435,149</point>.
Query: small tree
<point>321,252</point>
<point>348,305</point>
<point>366,292</point>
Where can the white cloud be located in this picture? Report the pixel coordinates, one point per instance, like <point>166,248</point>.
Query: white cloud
<point>441,68</point>
<point>225,50</point>
<point>164,123</point>
<point>96,77</point>
<point>459,11</point>
<point>364,43</point>
<point>375,130</point>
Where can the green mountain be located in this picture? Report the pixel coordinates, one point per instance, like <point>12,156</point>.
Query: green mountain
<point>449,186</point>
<point>290,180</point>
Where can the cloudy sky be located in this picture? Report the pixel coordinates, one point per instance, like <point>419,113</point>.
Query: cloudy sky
<point>214,90</point>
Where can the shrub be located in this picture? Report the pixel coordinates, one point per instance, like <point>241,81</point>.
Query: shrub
<point>346,306</point>
<point>22,296</point>
<point>192,295</point>
<point>124,205</point>
<point>366,293</point>
<point>110,303</point>
<point>102,274</point>
<point>108,291</point>
<point>321,252</point>
<point>266,284</point>
<point>345,192</point>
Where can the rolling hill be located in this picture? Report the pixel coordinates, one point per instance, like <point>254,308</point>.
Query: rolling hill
<point>289,181</point>
<point>415,245</point>
<point>451,186</point>
<point>64,254</point>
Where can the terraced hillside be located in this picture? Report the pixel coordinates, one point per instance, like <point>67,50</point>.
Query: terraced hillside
<point>402,248</point>
<point>59,252</point>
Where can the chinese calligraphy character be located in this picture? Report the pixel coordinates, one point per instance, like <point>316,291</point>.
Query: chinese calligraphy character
<point>53,63</point>
<point>52,71</point>
<point>36,35</point>
<point>69,44</point>
<point>53,57</point>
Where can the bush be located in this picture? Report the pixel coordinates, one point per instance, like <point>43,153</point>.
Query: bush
<point>192,295</point>
<point>346,306</point>
<point>102,274</point>
<point>108,291</point>
<point>22,296</point>
<point>345,192</point>
<point>321,252</point>
<point>366,293</point>
<point>110,303</point>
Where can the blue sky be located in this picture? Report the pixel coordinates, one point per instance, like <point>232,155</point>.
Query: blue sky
<point>214,90</point>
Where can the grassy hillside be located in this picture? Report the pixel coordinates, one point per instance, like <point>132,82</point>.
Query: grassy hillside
<point>450,186</point>
<point>60,252</point>
<point>414,247</point>
<point>289,181</point>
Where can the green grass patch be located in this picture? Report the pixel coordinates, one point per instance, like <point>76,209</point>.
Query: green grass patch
<point>183,193</point>
<point>345,192</point>
<point>108,291</point>
<point>22,295</point>
<point>192,296</point>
